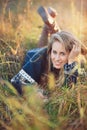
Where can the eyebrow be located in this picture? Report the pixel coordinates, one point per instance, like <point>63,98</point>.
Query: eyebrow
<point>59,52</point>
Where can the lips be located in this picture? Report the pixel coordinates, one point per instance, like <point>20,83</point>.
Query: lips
<point>57,64</point>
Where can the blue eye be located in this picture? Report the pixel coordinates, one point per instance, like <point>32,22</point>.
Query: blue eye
<point>54,52</point>
<point>62,53</point>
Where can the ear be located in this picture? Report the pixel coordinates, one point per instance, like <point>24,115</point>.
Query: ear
<point>83,51</point>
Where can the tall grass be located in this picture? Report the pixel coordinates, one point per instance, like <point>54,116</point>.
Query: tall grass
<point>66,108</point>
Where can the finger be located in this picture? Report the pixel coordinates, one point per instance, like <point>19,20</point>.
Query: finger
<point>74,46</point>
<point>77,44</point>
<point>76,49</point>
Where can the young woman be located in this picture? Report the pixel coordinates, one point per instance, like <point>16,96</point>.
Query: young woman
<point>59,57</point>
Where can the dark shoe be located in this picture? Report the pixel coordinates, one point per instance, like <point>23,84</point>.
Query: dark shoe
<point>45,16</point>
<point>48,17</point>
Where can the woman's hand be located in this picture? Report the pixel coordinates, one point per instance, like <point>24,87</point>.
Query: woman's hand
<point>76,50</point>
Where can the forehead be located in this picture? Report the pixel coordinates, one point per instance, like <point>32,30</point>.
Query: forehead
<point>58,46</point>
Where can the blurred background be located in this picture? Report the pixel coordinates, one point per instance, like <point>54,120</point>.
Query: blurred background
<point>20,27</point>
<point>71,14</point>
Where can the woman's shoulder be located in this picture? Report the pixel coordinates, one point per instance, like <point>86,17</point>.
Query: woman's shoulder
<point>38,53</point>
<point>35,65</point>
<point>34,54</point>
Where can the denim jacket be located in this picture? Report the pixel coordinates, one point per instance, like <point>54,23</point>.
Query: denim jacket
<point>34,67</point>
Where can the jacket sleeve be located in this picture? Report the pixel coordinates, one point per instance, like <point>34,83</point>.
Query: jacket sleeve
<point>30,54</point>
<point>30,72</point>
<point>71,73</point>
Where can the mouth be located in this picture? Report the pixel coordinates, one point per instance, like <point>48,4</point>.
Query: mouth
<point>57,64</point>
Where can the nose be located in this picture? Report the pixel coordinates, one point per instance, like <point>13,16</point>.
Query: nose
<point>57,58</point>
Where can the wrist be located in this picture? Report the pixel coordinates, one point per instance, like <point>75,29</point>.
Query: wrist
<point>70,61</point>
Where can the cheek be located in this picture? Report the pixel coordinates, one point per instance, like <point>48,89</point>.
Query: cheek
<point>52,56</point>
<point>65,59</point>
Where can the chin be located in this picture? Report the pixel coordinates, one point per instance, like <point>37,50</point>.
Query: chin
<point>57,67</point>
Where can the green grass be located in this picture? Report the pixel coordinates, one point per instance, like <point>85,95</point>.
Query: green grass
<point>66,108</point>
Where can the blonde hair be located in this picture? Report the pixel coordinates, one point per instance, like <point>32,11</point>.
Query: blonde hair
<point>67,39</point>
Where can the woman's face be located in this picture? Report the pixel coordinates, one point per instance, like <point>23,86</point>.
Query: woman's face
<point>59,56</point>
